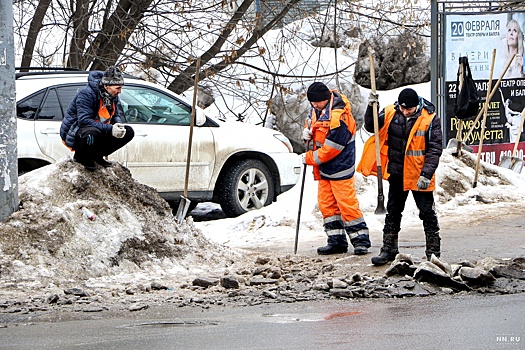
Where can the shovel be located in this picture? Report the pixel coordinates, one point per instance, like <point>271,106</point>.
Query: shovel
<point>485,110</point>
<point>185,202</point>
<point>380,209</point>
<point>514,163</point>
<point>458,146</point>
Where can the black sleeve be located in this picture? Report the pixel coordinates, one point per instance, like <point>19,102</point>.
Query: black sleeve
<point>434,148</point>
<point>369,119</point>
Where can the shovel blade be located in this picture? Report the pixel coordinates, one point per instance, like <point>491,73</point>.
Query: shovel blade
<point>182,210</point>
<point>513,163</point>
<point>518,166</point>
<point>505,162</point>
<point>380,209</point>
<point>453,143</point>
<point>467,148</point>
<point>458,146</point>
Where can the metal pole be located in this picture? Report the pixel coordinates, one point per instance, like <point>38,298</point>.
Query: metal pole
<point>8,151</point>
<point>436,32</point>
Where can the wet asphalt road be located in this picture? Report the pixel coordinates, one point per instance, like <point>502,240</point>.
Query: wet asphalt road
<point>453,322</point>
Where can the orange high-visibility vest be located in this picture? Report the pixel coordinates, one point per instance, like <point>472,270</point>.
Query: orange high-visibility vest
<point>321,128</point>
<point>414,152</point>
<point>368,164</point>
<point>104,114</point>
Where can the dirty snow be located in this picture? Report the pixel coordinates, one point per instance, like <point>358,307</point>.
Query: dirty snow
<point>49,241</point>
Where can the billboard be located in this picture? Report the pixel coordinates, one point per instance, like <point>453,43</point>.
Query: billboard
<point>476,36</point>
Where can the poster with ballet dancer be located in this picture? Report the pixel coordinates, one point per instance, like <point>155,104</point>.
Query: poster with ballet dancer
<point>476,36</point>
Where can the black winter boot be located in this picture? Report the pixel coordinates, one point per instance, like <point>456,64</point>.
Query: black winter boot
<point>388,251</point>
<point>361,242</point>
<point>337,244</point>
<point>89,164</point>
<point>104,163</point>
<point>433,244</point>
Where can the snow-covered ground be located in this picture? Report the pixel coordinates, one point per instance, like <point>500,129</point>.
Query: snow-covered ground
<point>276,223</point>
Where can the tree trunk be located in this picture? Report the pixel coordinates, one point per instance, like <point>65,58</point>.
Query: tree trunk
<point>111,41</point>
<point>77,45</point>
<point>8,140</point>
<point>32,34</point>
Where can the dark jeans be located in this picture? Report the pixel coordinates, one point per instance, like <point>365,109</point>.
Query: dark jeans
<point>92,144</point>
<point>397,197</point>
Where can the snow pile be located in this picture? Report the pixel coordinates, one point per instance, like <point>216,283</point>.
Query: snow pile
<point>495,185</point>
<point>50,240</point>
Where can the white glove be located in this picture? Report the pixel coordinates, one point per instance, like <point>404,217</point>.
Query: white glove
<point>307,135</point>
<point>118,130</point>
<point>303,158</point>
<point>423,183</point>
<point>373,97</point>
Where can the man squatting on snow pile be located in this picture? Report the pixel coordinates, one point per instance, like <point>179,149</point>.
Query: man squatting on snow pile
<point>411,144</point>
<point>332,133</point>
<point>92,126</point>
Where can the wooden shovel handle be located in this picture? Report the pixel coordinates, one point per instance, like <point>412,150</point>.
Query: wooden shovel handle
<point>485,111</point>
<point>493,91</point>
<point>192,122</point>
<point>374,107</point>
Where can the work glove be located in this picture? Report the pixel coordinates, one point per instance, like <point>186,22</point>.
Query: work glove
<point>118,130</point>
<point>303,158</point>
<point>307,135</point>
<point>373,97</point>
<point>422,183</point>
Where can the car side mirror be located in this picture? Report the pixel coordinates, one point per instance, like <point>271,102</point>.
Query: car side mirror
<point>200,117</point>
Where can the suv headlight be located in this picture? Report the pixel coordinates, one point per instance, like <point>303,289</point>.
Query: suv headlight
<point>285,141</point>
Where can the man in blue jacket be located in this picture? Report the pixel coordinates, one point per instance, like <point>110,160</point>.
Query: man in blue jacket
<point>92,127</point>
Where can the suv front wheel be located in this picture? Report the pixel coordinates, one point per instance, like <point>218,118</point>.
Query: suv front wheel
<point>248,185</point>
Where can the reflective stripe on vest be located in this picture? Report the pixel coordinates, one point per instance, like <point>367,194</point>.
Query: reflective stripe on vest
<point>320,128</point>
<point>415,153</point>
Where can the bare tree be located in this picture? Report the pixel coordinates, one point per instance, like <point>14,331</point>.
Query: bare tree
<point>251,51</point>
<point>34,29</point>
<point>80,34</point>
<point>116,31</point>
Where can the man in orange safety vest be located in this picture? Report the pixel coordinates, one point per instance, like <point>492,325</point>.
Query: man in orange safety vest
<point>332,133</point>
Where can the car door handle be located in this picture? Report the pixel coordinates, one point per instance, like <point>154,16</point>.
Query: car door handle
<point>141,134</point>
<point>49,131</point>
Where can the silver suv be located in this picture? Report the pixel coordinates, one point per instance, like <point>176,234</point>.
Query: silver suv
<point>240,166</point>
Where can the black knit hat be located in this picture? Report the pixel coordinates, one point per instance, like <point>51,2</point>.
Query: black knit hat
<point>408,98</point>
<point>318,92</point>
<point>112,76</point>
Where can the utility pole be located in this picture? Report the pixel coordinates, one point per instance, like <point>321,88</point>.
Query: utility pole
<point>8,151</point>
